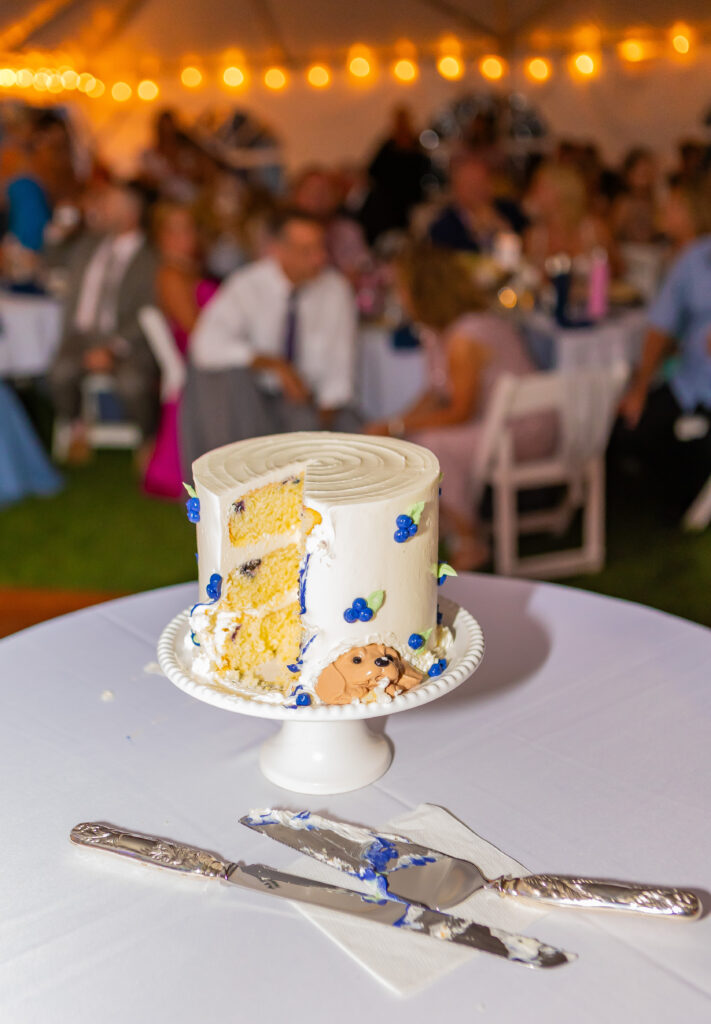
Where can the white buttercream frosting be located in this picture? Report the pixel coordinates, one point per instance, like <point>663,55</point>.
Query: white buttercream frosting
<point>359,485</point>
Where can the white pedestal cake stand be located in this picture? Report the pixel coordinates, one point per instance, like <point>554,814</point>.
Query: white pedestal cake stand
<point>324,748</point>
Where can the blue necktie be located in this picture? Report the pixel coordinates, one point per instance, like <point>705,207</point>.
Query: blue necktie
<point>290,332</point>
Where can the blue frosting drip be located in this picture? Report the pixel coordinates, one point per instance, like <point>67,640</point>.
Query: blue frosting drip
<point>302,584</point>
<point>213,590</point>
<point>380,853</point>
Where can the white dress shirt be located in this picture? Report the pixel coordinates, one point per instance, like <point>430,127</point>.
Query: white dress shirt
<point>247,318</point>
<point>97,303</point>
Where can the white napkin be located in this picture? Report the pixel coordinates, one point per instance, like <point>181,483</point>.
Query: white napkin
<point>404,962</point>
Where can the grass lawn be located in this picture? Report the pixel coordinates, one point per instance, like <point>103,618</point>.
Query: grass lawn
<point>102,534</point>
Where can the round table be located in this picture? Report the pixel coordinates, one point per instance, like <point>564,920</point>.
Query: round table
<point>581,745</point>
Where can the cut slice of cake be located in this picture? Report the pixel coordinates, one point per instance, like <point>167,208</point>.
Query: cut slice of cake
<point>253,630</point>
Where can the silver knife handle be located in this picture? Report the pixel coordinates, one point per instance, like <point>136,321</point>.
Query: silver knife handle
<point>591,893</point>
<point>162,853</point>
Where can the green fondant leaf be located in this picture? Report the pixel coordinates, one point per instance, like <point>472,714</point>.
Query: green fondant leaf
<point>415,512</point>
<point>425,634</point>
<point>375,601</point>
<point>446,570</point>
<point>441,477</point>
<point>191,490</point>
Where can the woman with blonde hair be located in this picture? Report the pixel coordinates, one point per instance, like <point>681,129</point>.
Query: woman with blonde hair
<point>468,348</point>
<point>558,204</point>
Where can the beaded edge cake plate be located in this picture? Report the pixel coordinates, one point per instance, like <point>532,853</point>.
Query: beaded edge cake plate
<point>464,657</point>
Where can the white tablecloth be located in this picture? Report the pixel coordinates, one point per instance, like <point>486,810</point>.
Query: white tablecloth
<point>29,334</point>
<point>581,746</point>
<point>389,379</point>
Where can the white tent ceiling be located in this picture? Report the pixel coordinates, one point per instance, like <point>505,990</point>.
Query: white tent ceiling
<point>654,104</point>
<point>303,28</point>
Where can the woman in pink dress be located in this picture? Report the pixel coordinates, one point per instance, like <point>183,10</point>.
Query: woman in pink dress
<point>468,349</point>
<point>182,293</point>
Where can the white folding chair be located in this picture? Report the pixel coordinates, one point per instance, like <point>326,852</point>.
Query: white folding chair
<point>102,432</point>
<point>583,474</point>
<point>165,351</point>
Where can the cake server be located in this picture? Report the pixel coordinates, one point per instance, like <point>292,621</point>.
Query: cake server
<point>260,878</point>
<point>404,870</point>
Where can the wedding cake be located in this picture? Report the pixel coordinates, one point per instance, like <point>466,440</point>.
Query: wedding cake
<point>318,568</point>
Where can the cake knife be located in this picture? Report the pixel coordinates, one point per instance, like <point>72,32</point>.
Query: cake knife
<point>260,878</point>
<point>407,871</point>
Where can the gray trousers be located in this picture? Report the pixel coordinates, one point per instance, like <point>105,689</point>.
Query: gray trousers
<point>222,406</point>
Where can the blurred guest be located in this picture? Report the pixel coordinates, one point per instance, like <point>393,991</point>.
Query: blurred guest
<point>685,215</point>
<point>690,165</point>
<point>169,165</point>
<point>671,421</point>
<point>112,279</point>
<point>474,216</point>
<point>398,174</point>
<point>316,193</point>
<point>24,467</point>
<point>182,292</point>
<point>27,202</point>
<point>468,350</point>
<point>274,350</point>
<point>562,222</point>
<point>634,212</point>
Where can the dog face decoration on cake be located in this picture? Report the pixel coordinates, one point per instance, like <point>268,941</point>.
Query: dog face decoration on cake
<point>361,671</point>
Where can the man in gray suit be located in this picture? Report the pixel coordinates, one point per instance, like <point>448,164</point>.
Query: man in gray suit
<point>111,278</point>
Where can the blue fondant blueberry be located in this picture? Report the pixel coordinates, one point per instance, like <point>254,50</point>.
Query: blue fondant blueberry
<point>403,522</point>
<point>214,587</point>
<point>350,615</point>
<point>360,603</point>
<point>401,536</point>
<point>442,663</point>
<point>302,700</point>
<point>435,670</point>
<point>193,509</point>
<point>416,641</point>
<point>365,614</point>
<point>439,617</point>
<point>441,580</point>
<point>293,668</point>
<point>412,529</point>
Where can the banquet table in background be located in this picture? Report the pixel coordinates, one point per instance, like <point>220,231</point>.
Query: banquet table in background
<point>29,334</point>
<point>580,746</point>
<point>390,379</point>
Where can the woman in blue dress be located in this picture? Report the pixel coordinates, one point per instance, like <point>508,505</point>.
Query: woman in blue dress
<point>25,469</point>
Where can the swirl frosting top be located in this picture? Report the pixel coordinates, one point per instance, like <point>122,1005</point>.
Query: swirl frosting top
<point>339,468</point>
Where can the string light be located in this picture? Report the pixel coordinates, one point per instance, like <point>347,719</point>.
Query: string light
<point>70,79</point>
<point>360,67</point>
<point>274,78</point>
<point>681,44</point>
<point>585,64</point>
<point>86,82</point>
<point>492,67</point>
<point>7,77</point>
<point>191,77</point>
<point>318,76</point>
<point>40,81</point>
<point>97,89</point>
<point>24,78</point>
<point>147,90</point>
<point>121,91</point>
<point>54,85</point>
<point>405,71</point>
<point>450,67</point>
<point>233,76</point>
<point>538,69</point>
<point>635,50</point>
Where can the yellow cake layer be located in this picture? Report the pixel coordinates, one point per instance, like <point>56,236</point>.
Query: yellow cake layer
<point>274,509</point>
<point>260,639</point>
<point>262,580</point>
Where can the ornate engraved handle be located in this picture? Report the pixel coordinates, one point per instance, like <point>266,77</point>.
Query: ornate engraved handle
<point>591,893</point>
<point>162,853</point>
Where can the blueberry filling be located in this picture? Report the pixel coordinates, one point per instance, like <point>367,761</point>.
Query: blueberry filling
<point>238,507</point>
<point>250,568</point>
